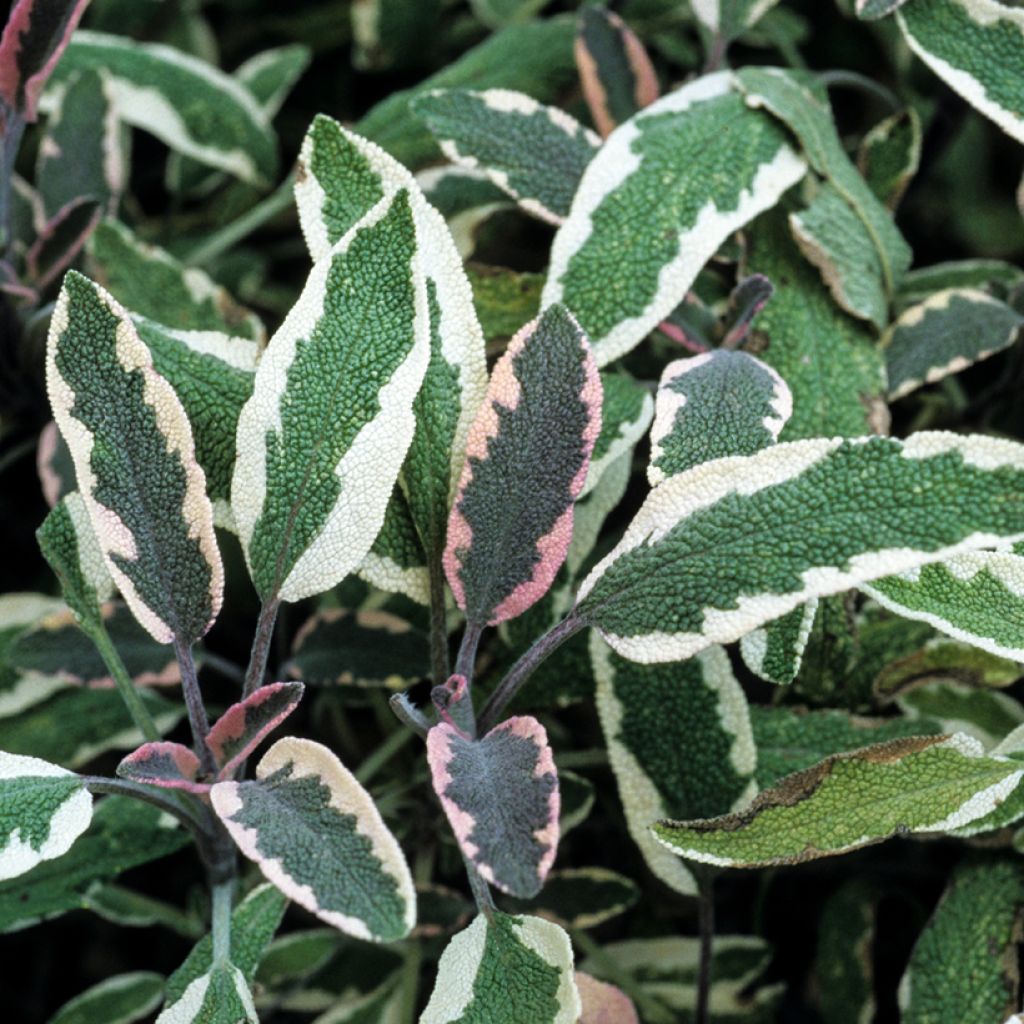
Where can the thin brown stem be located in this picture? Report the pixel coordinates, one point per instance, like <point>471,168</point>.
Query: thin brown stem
<point>196,708</point>
<point>255,674</point>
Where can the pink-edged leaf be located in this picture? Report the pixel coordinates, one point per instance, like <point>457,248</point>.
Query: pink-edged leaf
<point>451,704</point>
<point>164,764</point>
<point>61,240</point>
<point>501,797</point>
<point>604,1003</point>
<point>246,724</point>
<point>34,38</point>
<point>527,457</point>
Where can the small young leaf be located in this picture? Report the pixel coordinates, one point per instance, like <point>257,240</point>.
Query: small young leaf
<point>244,726</point>
<point>944,658</point>
<point>604,1003</point>
<point>775,651</point>
<point>220,996</point>
<point>164,764</point>
<point>316,834</point>
<point>500,793</point>
<point>134,457</point>
<point>889,155</point>
<point>504,970</point>
<point>122,999</point>
<point>526,462</point>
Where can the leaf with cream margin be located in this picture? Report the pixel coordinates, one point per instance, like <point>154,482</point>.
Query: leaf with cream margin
<point>730,18</point>
<point>122,999</point>
<point>604,1003</point>
<point>396,562</point>
<point>505,970</point>
<point>985,715</point>
<point>726,546</point>
<point>946,333</point>
<point>18,611</point>
<point>581,897</point>
<point>220,996</point>
<point>54,466</point>
<point>467,200</point>
<point>691,168</point>
<point>135,460</point>
<point>889,155</point>
<point>976,48</point>
<point>941,657</point>
<point>191,106</point>
<point>775,651</point>
<point>964,964</point>
<point>389,34</point>
<point>712,405</point>
<point>535,153</point>
<point>500,793</point>
<point>591,511</point>
<point>316,834</point>
<point>692,757</point>
<point>869,10</point>
<point>526,462</point>
<point>43,810</point>
<point>844,955</point>
<point>627,410</point>
<point>59,241</point>
<point>994,277</point>
<point>320,445</point>
<point>616,73</point>
<point>920,784</point>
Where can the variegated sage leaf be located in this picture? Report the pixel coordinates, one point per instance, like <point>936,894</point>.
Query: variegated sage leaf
<point>604,1003</point>
<point>889,155</point>
<point>389,34</point>
<point>122,999</point>
<point>996,277</point>
<point>658,170</point>
<point>948,332</point>
<point>693,758</point>
<point>500,793</point>
<point>316,834</point>
<point>45,808</point>
<point>220,996</point>
<point>844,968</point>
<point>975,47</point>
<point>322,438</point>
<point>922,784</point>
<point>526,462</point>
<point>190,105</point>
<point>977,597</point>
<point>942,658</point>
<point>245,725</point>
<point>713,405</point>
<point>985,715</point>
<point>877,505</point>
<point>396,562</point>
<point>775,651</point>
<point>730,18</point>
<point>964,965</point>
<point>60,240</point>
<point>504,970</point>
<point>627,409</point>
<point>869,10</point>
<point>135,460</point>
<point>535,153</point>
<point>616,73</point>
<point>166,765</point>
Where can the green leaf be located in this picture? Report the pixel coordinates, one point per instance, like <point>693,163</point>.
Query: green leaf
<point>594,507</point>
<point>504,299</point>
<point>396,562</point>
<point>577,795</point>
<point>581,897</point>
<point>59,241</point>
<point>889,155</point>
<point>944,658</point>
<point>944,334</point>
<point>135,461</point>
<point>45,808</point>
<point>922,784</point>
<point>627,410</point>
<point>713,405</point>
<point>122,999</point>
<point>876,505</point>
<point>468,199</point>
<point>390,33</point>
<point>992,276</point>
<point>730,18</point>
<point>316,834</point>
<point>495,13</point>
<point>869,10</point>
<point>775,651</point>
<point>964,965</point>
<point>271,74</point>
<point>844,969</point>
<point>220,996</point>
<point>987,715</point>
<point>535,153</point>
<point>188,104</point>
<point>306,505</point>
<point>975,47</point>
<point>504,970</point>
<point>679,742</point>
<point>663,193</point>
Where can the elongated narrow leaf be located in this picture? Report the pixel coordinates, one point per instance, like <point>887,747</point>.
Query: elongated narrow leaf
<point>945,334</point>
<point>694,757</point>
<point>306,501</point>
<point>535,153</point>
<point>656,170</point>
<point>712,405</point>
<point>396,562</point>
<point>164,764</point>
<point>616,73</point>
<point>188,104</point>
<point>775,651</point>
<point>924,784</point>
<point>500,793</point>
<point>889,155</point>
<point>45,809</point>
<point>221,996</point>
<point>504,970</point>
<point>526,462</point>
<point>123,999</point>
<point>974,46</point>
<point>317,835</point>
<point>995,277</point>
<point>135,460</point>
<point>877,505</point>
<point>964,965</point>
<point>241,729</point>
<point>844,966</point>
<point>942,658</point>
<point>626,412</point>
<point>581,897</point>
<point>604,1003</point>
<point>869,10</point>
<point>60,240</point>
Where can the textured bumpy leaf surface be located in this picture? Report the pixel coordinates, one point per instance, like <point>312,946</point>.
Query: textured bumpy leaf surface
<point>712,405</point>
<point>977,597</point>
<point>185,102</point>
<point>317,835</point>
<point>45,808</point>
<point>876,504</point>
<point>535,153</point>
<point>164,764</point>
<point>775,652</point>
<point>527,458</point>
<point>889,155</point>
<point>926,784</point>
<point>975,47</point>
<point>964,966</point>
<point>135,461</point>
<point>690,169</point>
<point>679,742</point>
<point>627,409</point>
<point>945,334</point>
<point>504,970</point>
<point>396,561</point>
<point>616,73</point>
<point>322,438</point>
<point>220,996</point>
<point>237,733</point>
<point>123,999</point>
<point>500,793</point>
